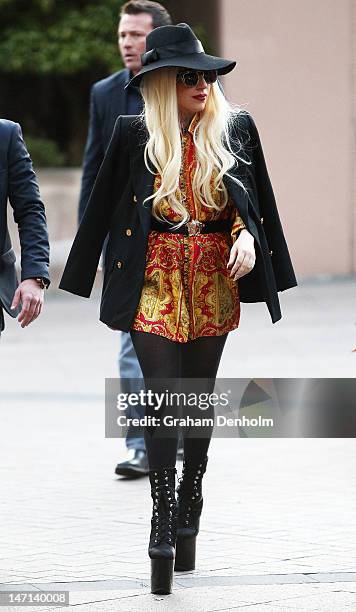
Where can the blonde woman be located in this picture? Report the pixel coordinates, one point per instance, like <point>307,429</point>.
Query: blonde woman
<point>181,192</point>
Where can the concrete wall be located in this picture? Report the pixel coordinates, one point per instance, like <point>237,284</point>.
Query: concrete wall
<point>296,75</point>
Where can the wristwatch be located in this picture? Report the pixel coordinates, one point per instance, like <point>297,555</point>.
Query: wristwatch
<point>43,282</point>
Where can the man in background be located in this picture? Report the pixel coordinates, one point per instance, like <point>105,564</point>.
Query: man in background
<point>18,185</point>
<point>108,100</point>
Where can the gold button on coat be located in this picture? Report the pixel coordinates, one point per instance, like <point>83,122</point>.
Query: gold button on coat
<point>135,198</point>
<point>270,252</point>
<point>261,219</point>
<point>128,232</point>
<point>119,264</point>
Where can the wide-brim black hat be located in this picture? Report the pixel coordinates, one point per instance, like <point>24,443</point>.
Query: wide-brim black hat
<point>177,46</point>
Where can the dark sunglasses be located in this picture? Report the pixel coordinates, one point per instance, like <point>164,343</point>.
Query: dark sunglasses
<point>190,78</point>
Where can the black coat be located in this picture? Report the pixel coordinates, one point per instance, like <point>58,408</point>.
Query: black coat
<point>18,184</point>
<point>116,207</point>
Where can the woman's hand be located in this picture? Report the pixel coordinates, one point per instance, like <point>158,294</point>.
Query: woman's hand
<point>242,255</point>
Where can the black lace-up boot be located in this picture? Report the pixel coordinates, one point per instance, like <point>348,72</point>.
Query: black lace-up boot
<point>161,548</point>
<point>190,504</point>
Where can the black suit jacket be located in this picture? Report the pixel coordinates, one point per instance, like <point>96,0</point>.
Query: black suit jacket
<point>18,184</point>
<point>108,100</point>
<point>116,205</point>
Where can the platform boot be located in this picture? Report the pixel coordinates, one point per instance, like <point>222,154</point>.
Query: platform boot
<point>163,535</point>
<point>190,504</point>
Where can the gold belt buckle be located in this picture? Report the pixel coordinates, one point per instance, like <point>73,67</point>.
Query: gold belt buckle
<point>194,227</point>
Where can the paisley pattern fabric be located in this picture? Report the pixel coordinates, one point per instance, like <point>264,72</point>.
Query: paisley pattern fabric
<point>187,291</point>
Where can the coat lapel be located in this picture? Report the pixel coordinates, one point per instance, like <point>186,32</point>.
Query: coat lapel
<point>143,180</point>
<point>118,95</point>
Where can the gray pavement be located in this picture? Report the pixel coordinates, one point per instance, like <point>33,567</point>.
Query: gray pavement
<point>278,529</point>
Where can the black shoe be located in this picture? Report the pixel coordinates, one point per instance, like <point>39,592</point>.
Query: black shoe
<point>190,505</point>
<point>161,548</point>
<point>135,466</point>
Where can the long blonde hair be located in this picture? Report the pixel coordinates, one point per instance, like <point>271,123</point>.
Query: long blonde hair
<point>163,152</point>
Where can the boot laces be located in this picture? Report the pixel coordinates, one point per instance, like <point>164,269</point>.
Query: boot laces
<point>189,496</point>
<point>164,512</point>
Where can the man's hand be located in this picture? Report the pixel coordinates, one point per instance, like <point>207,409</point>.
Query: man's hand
<point>242,255</point>
<point>31,295</point>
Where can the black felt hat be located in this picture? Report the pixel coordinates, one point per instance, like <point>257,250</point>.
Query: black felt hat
<point>177,45</point>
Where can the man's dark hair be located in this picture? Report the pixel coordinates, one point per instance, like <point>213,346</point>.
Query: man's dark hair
<point>159,14</point>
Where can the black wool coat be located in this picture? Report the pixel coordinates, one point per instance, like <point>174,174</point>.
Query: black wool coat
<point>115,207</point>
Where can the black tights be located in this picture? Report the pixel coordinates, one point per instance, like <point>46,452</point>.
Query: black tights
<point>161,358</point>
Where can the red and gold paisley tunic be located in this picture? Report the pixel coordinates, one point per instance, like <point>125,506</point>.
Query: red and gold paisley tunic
<point>187,291</point>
